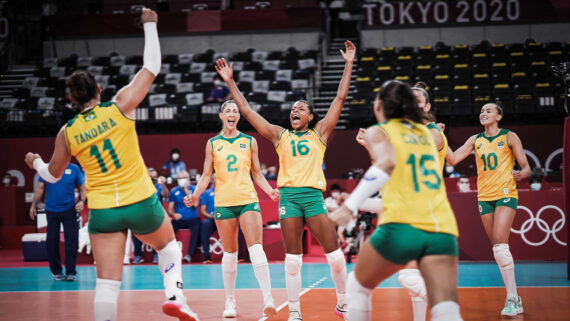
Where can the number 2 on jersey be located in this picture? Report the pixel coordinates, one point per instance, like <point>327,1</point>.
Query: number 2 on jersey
<point>107,145</point>
<point>423,172</point>
<point>231,164</point>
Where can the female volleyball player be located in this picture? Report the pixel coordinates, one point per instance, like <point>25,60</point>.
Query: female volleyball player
<point>410,276</point>
<point>301,180</point>
<point>495,152</point>
<point>233,156</point>
<point>417,222</point>
<point>121,195</point>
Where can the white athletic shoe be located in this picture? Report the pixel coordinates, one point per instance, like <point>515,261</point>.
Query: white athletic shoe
<point>295,316</point>
<point>513,306</point>
<point>178,308</point>
<point>230,311</point>
<point>269,307</point>
<point>341,310</point>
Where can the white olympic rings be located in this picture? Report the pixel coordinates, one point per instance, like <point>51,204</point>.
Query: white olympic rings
<point>216,246</point>
<point>542,225</point>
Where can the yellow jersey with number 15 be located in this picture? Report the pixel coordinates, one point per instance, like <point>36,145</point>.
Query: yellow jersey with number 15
<point>105,143</point>
<point>232,164</point>
<point>301,156</point>
<point>495,162</point>
<point>415,193</point>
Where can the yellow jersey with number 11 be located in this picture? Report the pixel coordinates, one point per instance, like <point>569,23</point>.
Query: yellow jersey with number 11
<point>105,143</point>
<point>301,156</point>
<point>232,164</point>
<point>495,162</point>
<point>415,193</point>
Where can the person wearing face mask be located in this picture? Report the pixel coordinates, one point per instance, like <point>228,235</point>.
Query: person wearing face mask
<point>174,164</point>
<point>184,217</point>
<point>463,184</point>
<point>335,199</point>
<point>7,180</point>
<point>61,208</point>
<point>219,92</point>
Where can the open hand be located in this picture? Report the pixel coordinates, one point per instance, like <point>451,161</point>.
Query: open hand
<point>147,15</point>
<point>341,216</point>
<point>30,158</point>
<point>350,52</point>
<point>225,71</point>
<point>33,212</point>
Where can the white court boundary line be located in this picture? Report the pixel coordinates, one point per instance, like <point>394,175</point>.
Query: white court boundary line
<point>312,286</point>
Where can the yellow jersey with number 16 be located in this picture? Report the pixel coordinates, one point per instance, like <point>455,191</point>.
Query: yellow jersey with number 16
<point>415,193</point>
<point>105,143</point>
<point>495,162</point>
<point>232,164</point>
<point>301,156</point>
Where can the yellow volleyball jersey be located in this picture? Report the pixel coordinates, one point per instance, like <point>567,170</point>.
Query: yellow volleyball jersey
<point>495,162</point>
<point>232,164</point>
<point>443,151</point>
<point>301,156</point>
<point>415,193</point>
<point>105,143</point>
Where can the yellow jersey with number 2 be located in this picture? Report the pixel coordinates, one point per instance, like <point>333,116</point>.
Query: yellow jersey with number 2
<point>232,164</point>
<point>415,193</point>
<point>301,156</point>
<point>495,162</point>
<point>105,143</point>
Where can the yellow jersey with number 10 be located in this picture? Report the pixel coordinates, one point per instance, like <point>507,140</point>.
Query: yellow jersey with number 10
<point>301,156</point>
<point>105,143</point>
<point>232,164</point>
<point>495,162</point>
<point>415,193</point>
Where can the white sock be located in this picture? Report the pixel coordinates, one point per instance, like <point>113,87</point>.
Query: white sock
<point>229,273</point>
<point>260,269</point>
<point>359,300</point>
<point>337,266</point>
<point>419,306</point>
<point>506,264</point>
<point>106,297</point>
<point>293,263</point>
<point>170,265</point>
<point>446,311</point>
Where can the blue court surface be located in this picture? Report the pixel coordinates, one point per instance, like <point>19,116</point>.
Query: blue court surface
<point>315,275</point>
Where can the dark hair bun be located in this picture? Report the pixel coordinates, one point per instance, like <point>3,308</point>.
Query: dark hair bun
<point>422,85</point>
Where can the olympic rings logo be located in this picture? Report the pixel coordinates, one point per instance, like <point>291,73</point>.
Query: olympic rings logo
<point>542,225</point>
<point>216,246</point>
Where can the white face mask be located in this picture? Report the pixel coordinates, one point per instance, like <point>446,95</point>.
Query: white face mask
<point>335,194</point>
<point>76,195</point>
<point>449,169</point>
<point>217,83</point>
<point>464,187</point>
<point>175,156</point>
<point>182,182</point>
<point>535,186</point>
<point>6,181</point>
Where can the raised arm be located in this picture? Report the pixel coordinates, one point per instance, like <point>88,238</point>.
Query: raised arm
<point>130,96</point>
<point>266,129</point>
<point>192,200</point>
<point>325,126</point>
<point>258,177</point>
<point>52,172</point>
<point>516,146</point>
<point>461,153</point>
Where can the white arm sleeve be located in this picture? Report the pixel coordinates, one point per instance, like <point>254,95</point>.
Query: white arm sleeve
<point>373,180</point>
<point>371,205</point>
<point>43,170</point>
<point>151,57</point>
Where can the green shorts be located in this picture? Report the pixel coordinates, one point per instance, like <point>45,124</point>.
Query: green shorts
<point>487,207</point>
<point>224,213</point>
<point>142,217</point>
<point>300,202</point>
<point>402,243</point>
